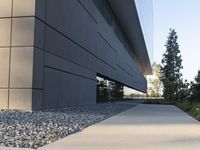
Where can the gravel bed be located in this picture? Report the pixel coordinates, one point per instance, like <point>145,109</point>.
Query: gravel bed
<point>34,129</point>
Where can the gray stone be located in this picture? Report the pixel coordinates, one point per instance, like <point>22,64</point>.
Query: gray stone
<point>23,31</point>
<point>23,7</point>
<point>5,8</point>
<point>20,99</point>
<point>21,74</point>
<point>4,67</point>
<point>5,29</point>
<point>3,99</point>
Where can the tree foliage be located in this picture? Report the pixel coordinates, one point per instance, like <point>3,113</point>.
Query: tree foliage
<point>195,88</point>
<point>155,82</point>
<point>183,90</point>
<point>170,69</point>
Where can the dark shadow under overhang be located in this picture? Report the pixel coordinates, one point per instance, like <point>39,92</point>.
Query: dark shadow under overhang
<point>126,13</point>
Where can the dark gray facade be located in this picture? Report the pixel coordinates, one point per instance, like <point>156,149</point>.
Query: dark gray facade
<point>52,51</point>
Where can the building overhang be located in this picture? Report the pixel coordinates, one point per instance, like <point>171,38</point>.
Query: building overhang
<point>126,13</point>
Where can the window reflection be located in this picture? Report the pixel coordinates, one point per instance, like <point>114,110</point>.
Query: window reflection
<point>108,90</point>
<point>130,93</point>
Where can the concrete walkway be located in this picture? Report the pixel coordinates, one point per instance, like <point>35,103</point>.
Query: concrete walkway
<point>144,127</point>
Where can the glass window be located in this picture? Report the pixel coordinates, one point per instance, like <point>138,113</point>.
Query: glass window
<point>130,93</point>
<point>108,90</point>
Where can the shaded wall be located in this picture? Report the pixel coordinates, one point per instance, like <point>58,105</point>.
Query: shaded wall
<point>52,50</point>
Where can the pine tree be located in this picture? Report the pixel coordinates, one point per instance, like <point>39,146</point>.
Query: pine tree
<point>171,66</point>
<point>195,88</point>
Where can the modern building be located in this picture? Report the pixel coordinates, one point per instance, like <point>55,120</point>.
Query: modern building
<point>53,51</point>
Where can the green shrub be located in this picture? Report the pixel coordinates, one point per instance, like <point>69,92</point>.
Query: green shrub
<point>195,111</point>
<point>151,101</point>
<point>158,101</point>
<point>197,116</point>
<point>185,105</point>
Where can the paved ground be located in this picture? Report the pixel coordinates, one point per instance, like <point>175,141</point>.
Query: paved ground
<point>144,127</point>
<point>11,148</point>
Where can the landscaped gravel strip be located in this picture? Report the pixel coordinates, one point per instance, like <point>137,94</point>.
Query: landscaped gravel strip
<point>35,129</point>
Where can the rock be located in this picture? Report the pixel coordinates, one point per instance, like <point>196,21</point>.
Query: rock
<point>35,129</point>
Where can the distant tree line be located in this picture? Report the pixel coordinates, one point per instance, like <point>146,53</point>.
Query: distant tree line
<point>195,88</point>
<point>169,78</point>
<point>154,82</point>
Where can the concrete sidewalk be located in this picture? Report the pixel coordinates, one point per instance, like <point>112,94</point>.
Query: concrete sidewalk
<point>144,127</point>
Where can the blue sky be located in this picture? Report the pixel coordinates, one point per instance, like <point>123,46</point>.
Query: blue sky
<point>184,17</point>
